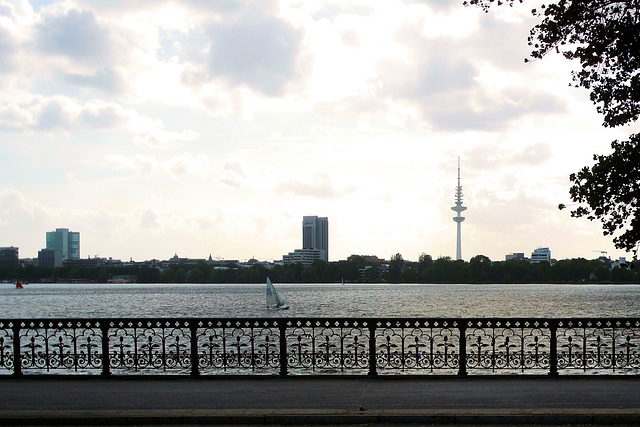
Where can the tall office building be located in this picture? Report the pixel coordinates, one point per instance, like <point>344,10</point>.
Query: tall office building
<point>315,242</point>
<point>315,235</point>
<point>65,242</point>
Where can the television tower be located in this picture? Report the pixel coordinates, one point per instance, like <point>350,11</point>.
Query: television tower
<point>458,218</point>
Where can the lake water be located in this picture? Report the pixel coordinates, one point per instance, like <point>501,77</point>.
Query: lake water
<point>318,300</point>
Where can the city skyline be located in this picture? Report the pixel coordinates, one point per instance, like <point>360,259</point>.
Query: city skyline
<point>315,246</point>
<point>212,128</point>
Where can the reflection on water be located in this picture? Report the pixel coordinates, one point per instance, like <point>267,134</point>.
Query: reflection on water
<point>319,300</point>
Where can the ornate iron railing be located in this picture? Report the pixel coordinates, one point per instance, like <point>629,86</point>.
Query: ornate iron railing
<point>299,346</point>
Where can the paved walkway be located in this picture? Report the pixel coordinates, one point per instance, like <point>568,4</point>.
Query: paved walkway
<point>319,400</point>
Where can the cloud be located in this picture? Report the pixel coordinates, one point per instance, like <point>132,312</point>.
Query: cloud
<point>443,75</point>
<point>56,113</point>
<point>15,17</point>
<point>176,166</point>
<point>149,219</point>
<point>15,117</point>
<point>160,137</point>
<point>488,157</point>
<point>75,34</point>
<point>19,214</point>
<point>7,48</point>
<point>319,185</point>
<point>234,173</point>
<point>66,115</point>
<point>254,50</point>
<point>187,163</point>
<point>103,79</point>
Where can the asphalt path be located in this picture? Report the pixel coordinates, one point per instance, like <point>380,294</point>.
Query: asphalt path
<point>320,400</point>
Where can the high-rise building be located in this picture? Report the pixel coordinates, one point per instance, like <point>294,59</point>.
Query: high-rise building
<point>66,242</point>
<point>458,218</point>
<point>315,235</point>
<point>315,242</point>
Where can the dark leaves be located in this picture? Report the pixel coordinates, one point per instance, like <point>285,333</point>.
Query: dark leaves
<point>610,192</point>
<point>604,36</point>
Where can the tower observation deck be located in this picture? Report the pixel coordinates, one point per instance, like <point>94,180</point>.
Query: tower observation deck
<point>458,218</point>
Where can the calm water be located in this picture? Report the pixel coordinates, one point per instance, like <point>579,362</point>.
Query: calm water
<point>313,300</point>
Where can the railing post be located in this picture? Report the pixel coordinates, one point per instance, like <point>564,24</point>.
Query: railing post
<point>104,330</point>
<point>195,359</point>
<point>282,327</point>
<point>462,369</point>
<point>553,349</point>
<point>17,363</point>
<point>373,366</point>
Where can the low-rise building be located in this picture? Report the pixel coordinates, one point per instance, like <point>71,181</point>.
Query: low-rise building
<point>49,258</point>
<point>541,255</point>
<point>304,256</point>
<point>516,256</point>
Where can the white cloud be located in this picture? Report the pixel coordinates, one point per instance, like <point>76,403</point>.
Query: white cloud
<point>318,184</point>
<point>177,166</point>
<point>149,219</point>
<point>235,173</point>
<point>75,34</point>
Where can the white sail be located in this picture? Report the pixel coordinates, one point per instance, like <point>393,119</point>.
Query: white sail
<point>273,300</point>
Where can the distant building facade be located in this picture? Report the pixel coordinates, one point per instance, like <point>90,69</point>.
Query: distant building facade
<point>517,256</point>
<point>49,258</point>
<point>315,242</point>
<point>66,242</point>
<point>9,257</point>
<point>541,255</point>
<point>304,256</point>
<point>315,235</point>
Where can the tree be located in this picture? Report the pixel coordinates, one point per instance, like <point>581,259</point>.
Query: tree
<point>396,265</point>
<point>611,191</point>
<point>604,36</point>
<point>480,269</point>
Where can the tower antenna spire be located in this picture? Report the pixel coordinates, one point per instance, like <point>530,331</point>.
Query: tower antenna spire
<point>458,208</point>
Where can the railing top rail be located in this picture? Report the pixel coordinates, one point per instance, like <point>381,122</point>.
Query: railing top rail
<point>485,321</point>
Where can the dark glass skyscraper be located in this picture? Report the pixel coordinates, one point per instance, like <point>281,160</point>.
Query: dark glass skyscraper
<point>66,242</point>
<point>315,235</point>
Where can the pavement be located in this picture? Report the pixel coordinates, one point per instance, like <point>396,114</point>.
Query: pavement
<point>320,400</point>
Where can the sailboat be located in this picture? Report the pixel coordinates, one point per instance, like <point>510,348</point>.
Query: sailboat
<point>273,300</point>
<point>18,285</point>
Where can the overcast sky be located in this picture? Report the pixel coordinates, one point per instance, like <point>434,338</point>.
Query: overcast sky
<point>204,127</point>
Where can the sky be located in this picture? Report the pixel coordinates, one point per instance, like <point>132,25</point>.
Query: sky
<point>200,128</point>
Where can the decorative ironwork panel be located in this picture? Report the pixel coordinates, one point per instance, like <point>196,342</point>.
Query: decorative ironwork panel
<point>508,346</point>
<point>149,346</point>
<point>605,345</point>
<point>6,347</point>
<point>238,346</point>
<point>298,346</point>
<point>417,345</point>
<point>327,346</point>
<point>69,345</point>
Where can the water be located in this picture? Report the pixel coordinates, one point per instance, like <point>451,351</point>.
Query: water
<point>318,300</point>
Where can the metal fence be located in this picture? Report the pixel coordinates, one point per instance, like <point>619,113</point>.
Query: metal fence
<point>303,346</point>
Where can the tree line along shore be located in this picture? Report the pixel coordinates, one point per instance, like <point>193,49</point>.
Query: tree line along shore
<point>357,269</point>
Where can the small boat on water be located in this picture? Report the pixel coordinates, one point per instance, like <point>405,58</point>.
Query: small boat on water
<point>19,285</point>
<point>273,300</point>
